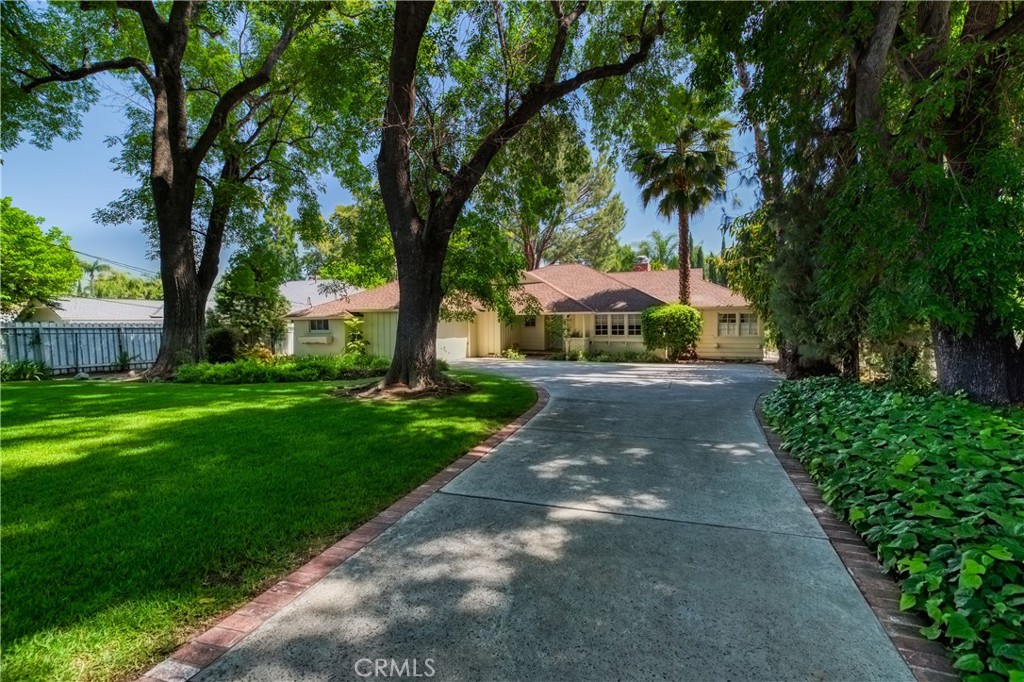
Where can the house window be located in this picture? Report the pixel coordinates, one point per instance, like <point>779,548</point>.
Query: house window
<point>618,325</point>
<point>600,325</point>
<point>748,324</point>
<point>727,324</point>
<point>633,325</point>
<point>319,326</point>
<point>530,322</point>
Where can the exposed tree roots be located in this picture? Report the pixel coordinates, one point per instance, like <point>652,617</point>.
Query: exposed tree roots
<point>442,387</point>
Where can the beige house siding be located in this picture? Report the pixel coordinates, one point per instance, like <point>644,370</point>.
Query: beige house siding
<point>510,335</point>
<point>453,340</point>
<point>487,335</point>
<point>531,338</point>
<point>306,342</point>
<point>714,347</point>
<point>380,330</point>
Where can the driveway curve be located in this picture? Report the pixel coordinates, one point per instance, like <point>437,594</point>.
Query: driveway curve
<point>639,527</point>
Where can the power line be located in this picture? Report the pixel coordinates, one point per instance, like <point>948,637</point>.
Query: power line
<point>89,255</point>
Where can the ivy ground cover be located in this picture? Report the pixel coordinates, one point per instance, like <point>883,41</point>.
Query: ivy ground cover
<point>134,512</point>
<point>935,484</point>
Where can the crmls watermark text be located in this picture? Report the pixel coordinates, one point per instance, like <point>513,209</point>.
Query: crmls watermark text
<point>392,667</point>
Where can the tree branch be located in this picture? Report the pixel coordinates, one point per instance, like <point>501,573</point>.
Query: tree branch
<point>237,92</point>
<point>538,95</point>
<point>870,66</point>
<point>59,75</point>
<point>1014,25</point>
<point>565,22</point>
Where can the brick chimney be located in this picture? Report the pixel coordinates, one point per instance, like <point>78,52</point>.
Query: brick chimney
<point>641,264</point>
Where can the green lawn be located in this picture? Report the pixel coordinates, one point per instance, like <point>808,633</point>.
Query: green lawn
<point>134,512</point>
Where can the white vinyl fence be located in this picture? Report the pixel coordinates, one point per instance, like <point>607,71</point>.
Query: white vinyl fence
<point>71,348</point>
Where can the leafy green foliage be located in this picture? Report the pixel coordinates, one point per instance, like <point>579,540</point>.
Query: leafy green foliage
<point>674,327</point>
<point>222,344</point>
<point>116,284</point>
<point>660,249</point>
<point>355,337</point>
<point>36,266</point>
<point>24,370</point>
<point>512,353</point>
<point>284,369</point>
<point>249,300</point>
<point>936,485</point>
<point>557,203</point>
<point>352,245</point>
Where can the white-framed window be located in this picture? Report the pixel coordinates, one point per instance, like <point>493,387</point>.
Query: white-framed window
<point>530,322</point>
<point>618,324</point>
<point>727,324</point>
<point>748,324</point>
<point>319,326</point>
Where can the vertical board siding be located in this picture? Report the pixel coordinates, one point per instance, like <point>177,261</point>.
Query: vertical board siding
<point>70,348</point>
<point>381,329</point>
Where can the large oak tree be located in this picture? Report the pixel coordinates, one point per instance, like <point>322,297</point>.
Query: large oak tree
<point>206,76</point>
<point>461,84</point>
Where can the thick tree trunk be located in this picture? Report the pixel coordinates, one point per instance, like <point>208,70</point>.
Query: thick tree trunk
<point>684,258</point>
<point>184,298</point>
<point>986,365</point>
<point>420,263</point>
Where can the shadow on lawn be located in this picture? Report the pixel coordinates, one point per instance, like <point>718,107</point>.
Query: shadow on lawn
<point>204,508</point>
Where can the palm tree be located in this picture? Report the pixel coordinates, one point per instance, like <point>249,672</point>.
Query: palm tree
<point>660,250</point>
<point>91,270</point>
<point>687,175</point>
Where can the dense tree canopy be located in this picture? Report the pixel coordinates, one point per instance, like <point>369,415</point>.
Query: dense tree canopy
<point>248,299</point>
<point>117,284</point>
<point>218,122</point>
<point>556,201</point>
<point>888,149</point>
<point>34,265</point>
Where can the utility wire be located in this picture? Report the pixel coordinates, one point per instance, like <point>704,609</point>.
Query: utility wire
<point>89,255</point>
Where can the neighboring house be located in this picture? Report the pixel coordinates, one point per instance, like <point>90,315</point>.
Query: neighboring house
<point>300,294</point>
<point>601,311</point>
<point>77,310</point>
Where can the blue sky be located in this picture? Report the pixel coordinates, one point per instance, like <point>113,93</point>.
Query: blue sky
<point>67,183</point>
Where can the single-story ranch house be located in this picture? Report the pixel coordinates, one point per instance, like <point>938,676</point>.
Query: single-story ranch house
<point>601,311</point>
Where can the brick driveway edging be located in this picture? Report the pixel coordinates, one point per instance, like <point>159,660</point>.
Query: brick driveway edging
<point>202,650</point>
<point>926,659</point>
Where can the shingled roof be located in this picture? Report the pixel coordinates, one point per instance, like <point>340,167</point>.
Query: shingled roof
<point>568,288</point>
<point>664,285</point>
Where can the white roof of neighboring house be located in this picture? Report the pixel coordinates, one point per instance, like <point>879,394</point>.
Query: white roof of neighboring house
<point>301,294</point>
<point>76,309</point>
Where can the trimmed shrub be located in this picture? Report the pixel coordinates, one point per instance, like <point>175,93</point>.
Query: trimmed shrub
<point>285,369</point>
<point>674,327</point>
<point>222,345</point>
<point>935,484</point>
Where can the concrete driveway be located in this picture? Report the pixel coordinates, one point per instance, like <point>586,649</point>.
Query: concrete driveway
<point>638,528</point>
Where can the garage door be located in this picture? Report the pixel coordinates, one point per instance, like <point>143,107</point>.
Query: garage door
<point>452,340</point>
